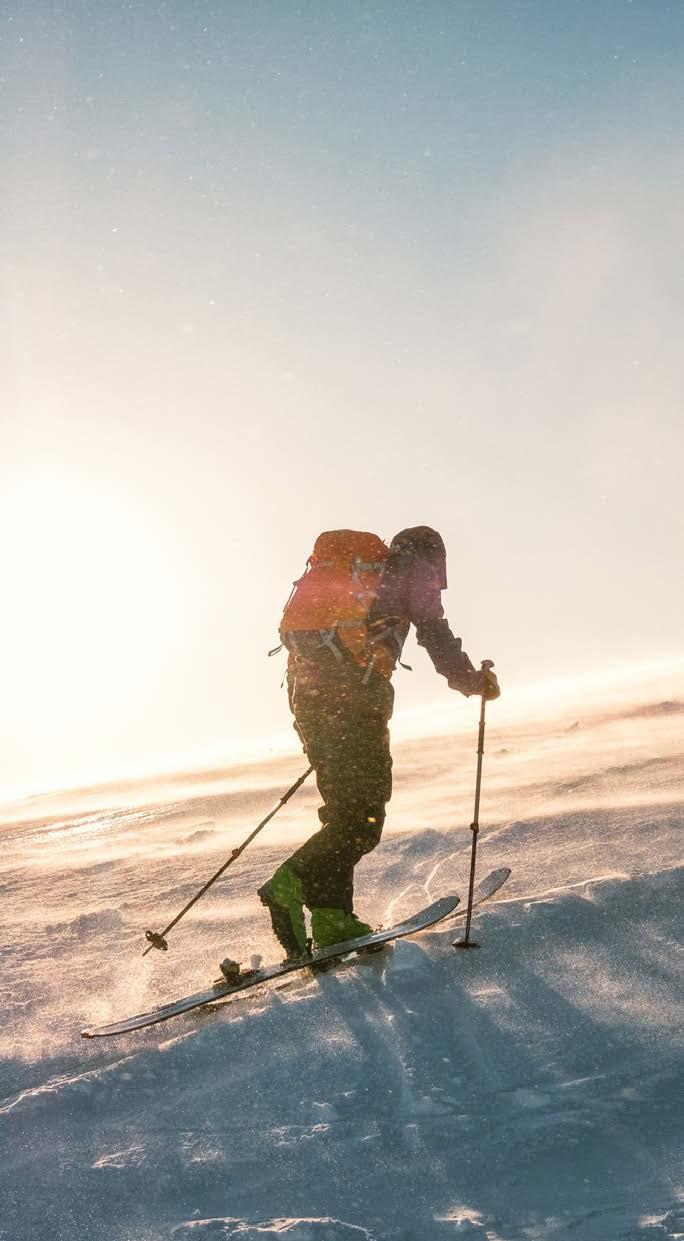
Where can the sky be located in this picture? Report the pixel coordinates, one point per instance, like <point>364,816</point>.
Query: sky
<point>275,268</point>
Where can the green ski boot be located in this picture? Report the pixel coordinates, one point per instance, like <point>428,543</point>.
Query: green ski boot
<point>284,899</point>
<point>334,926</point>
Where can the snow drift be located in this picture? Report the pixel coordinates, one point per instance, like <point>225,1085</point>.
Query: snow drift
<point>528,1090</point>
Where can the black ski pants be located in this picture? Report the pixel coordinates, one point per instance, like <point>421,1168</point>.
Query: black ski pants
<point>344,728</point>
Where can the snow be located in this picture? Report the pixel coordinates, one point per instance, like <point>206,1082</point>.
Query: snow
<point>527,1090</point>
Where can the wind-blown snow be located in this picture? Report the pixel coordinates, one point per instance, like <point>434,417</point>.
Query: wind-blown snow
<point>530,1089</point>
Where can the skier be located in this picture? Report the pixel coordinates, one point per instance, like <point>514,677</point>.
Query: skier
<point>345,626</point>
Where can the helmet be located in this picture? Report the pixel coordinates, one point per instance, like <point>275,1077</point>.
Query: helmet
<point>422,543</point>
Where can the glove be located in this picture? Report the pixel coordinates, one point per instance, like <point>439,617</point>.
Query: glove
<point>489,685</point>
<point>483,683</point>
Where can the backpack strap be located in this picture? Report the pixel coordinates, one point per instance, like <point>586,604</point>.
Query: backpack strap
<point>327,637</point>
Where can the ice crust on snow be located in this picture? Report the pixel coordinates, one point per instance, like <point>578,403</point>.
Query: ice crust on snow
<point>294,1229</point>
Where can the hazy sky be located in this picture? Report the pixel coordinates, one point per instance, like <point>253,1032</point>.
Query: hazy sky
<point>270,268</point>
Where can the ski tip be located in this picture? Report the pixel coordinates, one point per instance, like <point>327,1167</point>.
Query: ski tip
<point>502,876</point>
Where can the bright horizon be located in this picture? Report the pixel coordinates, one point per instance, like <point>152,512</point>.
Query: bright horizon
<point>640,706</point>
<point>273,271</point>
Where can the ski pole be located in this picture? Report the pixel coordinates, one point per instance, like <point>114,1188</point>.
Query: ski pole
<point>157,939</point>
<point>467,942</point>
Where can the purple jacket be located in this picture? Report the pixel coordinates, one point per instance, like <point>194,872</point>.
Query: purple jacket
<point>410,594</point>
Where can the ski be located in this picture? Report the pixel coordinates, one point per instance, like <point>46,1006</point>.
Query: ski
<point>254,978</point>
<point>221,990</point>
<point>487,887</point>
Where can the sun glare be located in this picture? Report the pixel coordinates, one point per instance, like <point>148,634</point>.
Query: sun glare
<point>80,568</point>
<point>594,691</point>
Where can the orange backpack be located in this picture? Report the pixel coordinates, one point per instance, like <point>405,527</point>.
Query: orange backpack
<point>329,605</point>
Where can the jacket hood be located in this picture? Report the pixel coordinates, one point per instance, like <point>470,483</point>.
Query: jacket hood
<point>421,543</point>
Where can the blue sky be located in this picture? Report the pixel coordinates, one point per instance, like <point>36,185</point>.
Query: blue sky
<point>271,268</point>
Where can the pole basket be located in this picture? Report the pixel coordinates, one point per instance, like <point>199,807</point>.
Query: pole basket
<point>155,940</point>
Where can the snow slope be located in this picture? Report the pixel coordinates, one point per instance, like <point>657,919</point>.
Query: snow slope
<point>531,1089</point>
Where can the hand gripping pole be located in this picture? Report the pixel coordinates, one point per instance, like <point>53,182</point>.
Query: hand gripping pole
<point>157,939</point>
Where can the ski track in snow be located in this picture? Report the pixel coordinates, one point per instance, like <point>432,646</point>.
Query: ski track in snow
<point>527,1090</point>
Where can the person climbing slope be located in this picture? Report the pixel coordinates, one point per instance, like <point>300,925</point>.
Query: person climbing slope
<point>344,626</point>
